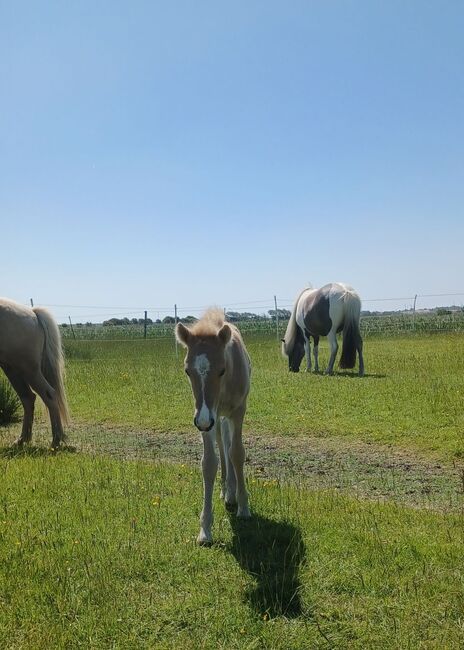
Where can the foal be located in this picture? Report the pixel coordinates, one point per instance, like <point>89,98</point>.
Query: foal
<point>219,368</point>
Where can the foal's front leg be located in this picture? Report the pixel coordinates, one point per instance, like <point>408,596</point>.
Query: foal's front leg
<point>209,465</point>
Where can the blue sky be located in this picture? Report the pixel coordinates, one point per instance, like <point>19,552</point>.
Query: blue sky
<point>201,153</point>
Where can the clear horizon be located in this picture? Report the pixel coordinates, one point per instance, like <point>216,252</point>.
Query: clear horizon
<point>212,154</point>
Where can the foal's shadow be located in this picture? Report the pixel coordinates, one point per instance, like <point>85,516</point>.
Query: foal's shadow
<point>272,552</point>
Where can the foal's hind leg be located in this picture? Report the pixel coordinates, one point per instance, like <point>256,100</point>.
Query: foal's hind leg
<point>230,498</point>
<point>237,456</point>
<point>27,398</point>
<point>220,444</point>
<point>38,383</point>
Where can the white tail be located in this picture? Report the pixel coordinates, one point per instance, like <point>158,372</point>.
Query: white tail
<point>53,360</point>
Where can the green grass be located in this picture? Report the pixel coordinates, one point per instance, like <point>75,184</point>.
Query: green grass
<point>97,553</point>
<point>411,396</point>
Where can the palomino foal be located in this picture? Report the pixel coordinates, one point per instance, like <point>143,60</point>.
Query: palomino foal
<point>219,368</point>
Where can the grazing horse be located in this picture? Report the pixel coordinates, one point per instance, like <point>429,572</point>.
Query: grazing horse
<point>324,312</point>
<point>219,368</point>
<point>32,359</point>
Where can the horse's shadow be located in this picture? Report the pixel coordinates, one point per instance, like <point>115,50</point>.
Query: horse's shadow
<point>272,552</point>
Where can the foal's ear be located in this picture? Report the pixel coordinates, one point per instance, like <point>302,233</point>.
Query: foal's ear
<point>225,333</point>
<point>183,334</point>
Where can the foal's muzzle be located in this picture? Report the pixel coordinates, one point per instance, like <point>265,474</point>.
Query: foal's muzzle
<point>208,428</point>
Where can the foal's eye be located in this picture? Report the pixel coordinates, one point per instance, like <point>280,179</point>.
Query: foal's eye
<point>222,372</point>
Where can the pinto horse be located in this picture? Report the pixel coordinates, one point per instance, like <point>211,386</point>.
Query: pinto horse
<point>320,312</point>
<point>32,359</point>
<point>219,368</point>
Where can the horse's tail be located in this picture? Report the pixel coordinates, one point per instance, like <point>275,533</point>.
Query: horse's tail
<point>352,340</point>
<point>53,360</point>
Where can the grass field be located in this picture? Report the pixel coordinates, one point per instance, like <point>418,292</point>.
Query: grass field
<point>411,395</point>
<point>98,552</point>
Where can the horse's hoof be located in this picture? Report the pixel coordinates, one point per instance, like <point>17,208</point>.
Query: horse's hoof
<point>230,506</point>
<point>19,442</point>
<point>243,513</point>
<point>204,540</point>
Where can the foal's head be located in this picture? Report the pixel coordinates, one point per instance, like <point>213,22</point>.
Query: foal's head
<point>205,365</point>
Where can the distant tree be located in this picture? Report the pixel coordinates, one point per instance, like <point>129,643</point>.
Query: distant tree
<point>188,319</point>
<point>284,314</point>
<point>169,320</point>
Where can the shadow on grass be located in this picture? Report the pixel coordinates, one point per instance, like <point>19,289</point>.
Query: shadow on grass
<point>32,451</point>
<point>272,552</point>
<point>368,375</point>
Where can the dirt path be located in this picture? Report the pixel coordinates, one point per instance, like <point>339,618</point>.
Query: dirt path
<point>367,471</point>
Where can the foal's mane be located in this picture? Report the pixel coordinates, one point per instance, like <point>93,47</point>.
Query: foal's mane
<point>210,323</point>
<point>291,331</point>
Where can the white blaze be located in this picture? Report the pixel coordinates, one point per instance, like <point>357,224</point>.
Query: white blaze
<point>202,367</point>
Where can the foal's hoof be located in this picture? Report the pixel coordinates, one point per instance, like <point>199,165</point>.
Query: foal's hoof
<point>19,442</point>
<point>244,513</point>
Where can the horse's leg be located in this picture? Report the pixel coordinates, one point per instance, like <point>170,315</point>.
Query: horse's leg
<point>332,338</point>
<point>316,353</point>
<point>209,465</point>
<point>27,398</point>
<point>220,444</point>
<point>307,346</point>
<point>230,498</point>
<point>41,386</point>
<point>237,456</point>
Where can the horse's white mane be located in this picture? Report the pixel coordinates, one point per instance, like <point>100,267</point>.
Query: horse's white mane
<point>290,334</point>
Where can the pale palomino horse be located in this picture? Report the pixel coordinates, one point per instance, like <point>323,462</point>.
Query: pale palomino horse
<point>219,369</point>
<point>31,357</point>
<point>320,312</point>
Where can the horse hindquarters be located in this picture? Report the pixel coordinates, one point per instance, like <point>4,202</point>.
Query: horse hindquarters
<point>352,341</point>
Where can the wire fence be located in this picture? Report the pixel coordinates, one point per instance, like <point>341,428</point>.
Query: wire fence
<point>371,325</point>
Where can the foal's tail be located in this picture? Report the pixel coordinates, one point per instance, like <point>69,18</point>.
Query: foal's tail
<point>53,360</point>
<point>352,340</point>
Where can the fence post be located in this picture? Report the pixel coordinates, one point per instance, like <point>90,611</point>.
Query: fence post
<point>175,325</point>
<point>277,318</point>
<point>414,313</point>
<point>72,328</point>
<point>32,303</point>
<point>145,326</point>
